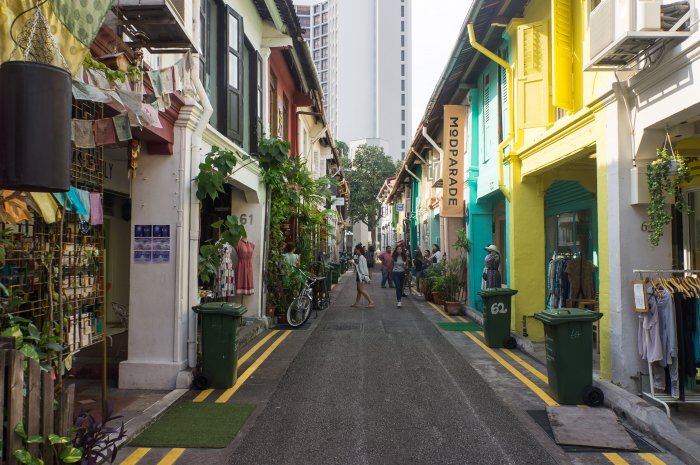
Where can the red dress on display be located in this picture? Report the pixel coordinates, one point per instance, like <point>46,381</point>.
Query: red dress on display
<point>244,268</point>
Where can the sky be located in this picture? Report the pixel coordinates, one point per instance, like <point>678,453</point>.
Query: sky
<point>436,24</point>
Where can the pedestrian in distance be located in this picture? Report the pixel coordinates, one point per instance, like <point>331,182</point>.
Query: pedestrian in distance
<point>371,258</point>
<point>408,280</point>
<point>387,265</point>
<point>361,277</point>
<point>290,256</point>
<point>418,267</point>
<point>426,258</point>
<point>435,256</point>
<point>401,264</point>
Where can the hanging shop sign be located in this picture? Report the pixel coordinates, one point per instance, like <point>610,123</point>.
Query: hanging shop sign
<point>453,143</point>
<point>399,207</point>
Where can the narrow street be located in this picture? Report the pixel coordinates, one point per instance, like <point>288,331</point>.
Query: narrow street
<point>383,386</point>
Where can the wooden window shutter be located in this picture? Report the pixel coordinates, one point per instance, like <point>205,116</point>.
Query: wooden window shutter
<point>504,93</point>
<point>234,75</point>
<point>532,72</point>
<point>562,55</point>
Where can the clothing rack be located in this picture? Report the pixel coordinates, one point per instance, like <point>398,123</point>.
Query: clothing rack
<point>663,398</point>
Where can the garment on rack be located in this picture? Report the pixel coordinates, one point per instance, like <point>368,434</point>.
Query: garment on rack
<point>558,287</point>
<point>244,268</point>
<point>581,278</point>
<point>224,282</point>
<point>649,335</point>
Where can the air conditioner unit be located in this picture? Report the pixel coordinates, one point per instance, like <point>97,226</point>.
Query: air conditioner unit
<point>621,30</point>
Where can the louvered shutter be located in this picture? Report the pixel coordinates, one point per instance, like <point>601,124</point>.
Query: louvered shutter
<point>234,75</point>
<point>504,93</point>
<point>562,55</point>
<point>532,64</point>
<point>489,115</point>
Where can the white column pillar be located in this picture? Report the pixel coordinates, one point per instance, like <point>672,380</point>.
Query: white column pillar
<point>161,293</point>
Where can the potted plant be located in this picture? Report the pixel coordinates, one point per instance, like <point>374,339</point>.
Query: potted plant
<point>434,278</point>
<point>453,285</point>
<point>665,176</point>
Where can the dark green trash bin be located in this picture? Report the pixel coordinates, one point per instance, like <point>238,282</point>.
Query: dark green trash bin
<point>569,346</point>
<point>220,324</point>
<point>336,272</point>
<point>497,317</point>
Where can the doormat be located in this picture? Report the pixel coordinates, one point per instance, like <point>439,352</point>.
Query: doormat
<point>205,425</point>
<point>540,417</point>
<point>460,326</point>
<point>590,427</point>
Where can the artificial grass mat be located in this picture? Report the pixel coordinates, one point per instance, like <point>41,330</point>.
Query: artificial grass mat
<point>460,326</point>
<point>205,425</point>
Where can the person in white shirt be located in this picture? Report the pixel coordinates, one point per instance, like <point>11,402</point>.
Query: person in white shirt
<point>436,256</point>
<point>361,276</point>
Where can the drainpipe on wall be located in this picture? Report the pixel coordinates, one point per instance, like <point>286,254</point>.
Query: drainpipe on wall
<point>511,111</point>
<point>194,204</point>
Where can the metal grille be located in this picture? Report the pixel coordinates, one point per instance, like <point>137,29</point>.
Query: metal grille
<point>54,275</point>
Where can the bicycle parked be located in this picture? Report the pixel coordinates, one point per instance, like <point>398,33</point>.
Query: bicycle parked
<point>299,310</point>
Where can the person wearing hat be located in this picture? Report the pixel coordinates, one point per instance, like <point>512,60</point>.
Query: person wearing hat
<point>492,276</point>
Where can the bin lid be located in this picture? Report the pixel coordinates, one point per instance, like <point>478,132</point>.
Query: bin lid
<point>220,308</point>
<point>497,291</point>
<point>567,315</point>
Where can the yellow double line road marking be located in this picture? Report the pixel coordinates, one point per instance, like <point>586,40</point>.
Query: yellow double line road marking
<point>174,454</point>
<point>616,459</point>
<point>207,392</point>
<point>141,452</point>
<point>246,374</point>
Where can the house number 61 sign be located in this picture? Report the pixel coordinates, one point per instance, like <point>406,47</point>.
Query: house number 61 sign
<point>497,308</point>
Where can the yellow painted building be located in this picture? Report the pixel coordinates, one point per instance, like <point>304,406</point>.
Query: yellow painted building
<point>555,171</point>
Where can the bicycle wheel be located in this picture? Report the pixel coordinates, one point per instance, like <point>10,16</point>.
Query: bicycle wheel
<point>299,311</point>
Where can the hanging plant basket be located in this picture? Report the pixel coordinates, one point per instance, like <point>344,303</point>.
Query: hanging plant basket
<point>35,127</point>
<point>665,177</point>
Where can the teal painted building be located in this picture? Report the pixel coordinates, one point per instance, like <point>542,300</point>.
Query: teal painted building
<point>487,207</point>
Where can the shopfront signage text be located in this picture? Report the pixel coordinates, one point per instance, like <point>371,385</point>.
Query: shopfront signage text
<point>453,141</point>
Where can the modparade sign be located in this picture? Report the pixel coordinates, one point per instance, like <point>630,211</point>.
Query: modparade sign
<point>453,141</point>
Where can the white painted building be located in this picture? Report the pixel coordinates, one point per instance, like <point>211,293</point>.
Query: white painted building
<point>649,105</point>
<point>362,50</point>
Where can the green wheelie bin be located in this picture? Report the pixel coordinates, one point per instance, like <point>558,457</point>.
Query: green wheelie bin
<point>497,317</point>
<point>221,322</point>
<point>336,272</point>
<point>568,334</point>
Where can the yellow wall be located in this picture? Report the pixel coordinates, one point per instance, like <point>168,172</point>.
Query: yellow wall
<point>547,149</point>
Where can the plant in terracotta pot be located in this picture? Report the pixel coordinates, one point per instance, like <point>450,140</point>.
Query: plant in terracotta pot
<point>665,176</point>
<point>434,277</point>
<point>454,284</point>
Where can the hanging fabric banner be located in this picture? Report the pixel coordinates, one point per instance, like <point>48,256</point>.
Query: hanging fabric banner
<point>104,132</point>
<point>83,91</point>
<point>453,143</point>
<point>122,127</point>
<point>83,136</point>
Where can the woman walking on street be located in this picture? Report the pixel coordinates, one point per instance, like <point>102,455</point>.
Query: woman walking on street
<point>361,276</point>
<point>418,266</point>
<point>371,258</point>
<point>401,264</point>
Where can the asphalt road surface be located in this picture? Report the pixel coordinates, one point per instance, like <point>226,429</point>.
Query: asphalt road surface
<point>383,386</point>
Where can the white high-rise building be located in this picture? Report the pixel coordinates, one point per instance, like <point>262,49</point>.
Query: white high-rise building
<point>362,51</point>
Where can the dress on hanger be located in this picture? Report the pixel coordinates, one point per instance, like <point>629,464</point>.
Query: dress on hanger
<point>225,281</point>
<point>244,268</point>
<point>492,277</point>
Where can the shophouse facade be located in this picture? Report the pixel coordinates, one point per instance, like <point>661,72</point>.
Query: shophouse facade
<point>557,147</point>
<point>223,74</point>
